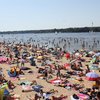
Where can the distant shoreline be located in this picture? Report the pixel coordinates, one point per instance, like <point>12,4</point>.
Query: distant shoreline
<point>62,30</point>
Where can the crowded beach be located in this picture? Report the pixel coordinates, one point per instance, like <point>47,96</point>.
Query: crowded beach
<point>32,72</point>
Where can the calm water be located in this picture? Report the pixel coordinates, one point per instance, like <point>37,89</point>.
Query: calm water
<point>67,41</point>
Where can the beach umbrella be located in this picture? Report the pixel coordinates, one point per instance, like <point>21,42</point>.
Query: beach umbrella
<point>92,76</point>
<point>93,67</point>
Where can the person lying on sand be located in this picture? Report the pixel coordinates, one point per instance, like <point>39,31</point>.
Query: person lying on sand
<point>61,97</point>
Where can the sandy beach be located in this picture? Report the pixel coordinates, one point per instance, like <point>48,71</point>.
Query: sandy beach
<point>61,62</point>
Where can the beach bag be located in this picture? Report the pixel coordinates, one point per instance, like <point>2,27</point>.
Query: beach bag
<point>6,92</point>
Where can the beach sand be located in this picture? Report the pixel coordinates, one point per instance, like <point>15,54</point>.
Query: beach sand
<point>47,86</point>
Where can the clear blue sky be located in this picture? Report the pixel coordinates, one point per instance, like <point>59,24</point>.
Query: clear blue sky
<point>47,14</point>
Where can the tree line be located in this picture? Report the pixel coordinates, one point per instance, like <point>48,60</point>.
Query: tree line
<point>62,30</point>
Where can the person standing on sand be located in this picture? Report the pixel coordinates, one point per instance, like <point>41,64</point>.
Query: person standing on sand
<point>87,69</point>
<point>22,62</point>
<point>67,55</point>
<point>58,72</point>
<point>32,61</point>
<point>46,74</point>
<point>11,57</point>
<point>98,95</point>
<point>17,62</point>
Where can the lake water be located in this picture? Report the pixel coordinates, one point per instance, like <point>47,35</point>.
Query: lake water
<point>67,41</point>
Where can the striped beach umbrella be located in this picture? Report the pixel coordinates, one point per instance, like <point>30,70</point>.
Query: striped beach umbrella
<point>92,76</point>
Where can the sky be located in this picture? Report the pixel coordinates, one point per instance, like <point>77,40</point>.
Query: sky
<point>48,14</point>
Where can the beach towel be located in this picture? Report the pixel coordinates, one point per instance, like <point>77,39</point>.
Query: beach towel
<point>25,83</point>
<point>22,77</point>
<point>15,97</point>
<point>25,68</point>
<point>3,59</point>
<point>56,81</point>
<point>26,88</point>
<point>13,78</point>
<point>83,96</point>
<point>72,98</point>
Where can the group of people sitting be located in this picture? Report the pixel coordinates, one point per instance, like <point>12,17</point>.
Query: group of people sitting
<point>15,71</point>
<point>47,95</point>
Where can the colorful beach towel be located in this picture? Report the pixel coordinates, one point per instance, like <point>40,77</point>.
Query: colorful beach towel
<point>56,81</point>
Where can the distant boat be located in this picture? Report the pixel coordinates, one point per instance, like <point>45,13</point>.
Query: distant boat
<point>56,32</point>
<point>91,29</point>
